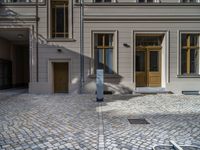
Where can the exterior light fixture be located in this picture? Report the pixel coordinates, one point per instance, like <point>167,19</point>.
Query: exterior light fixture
<point>126,45</point>
<point>59,50</point>
<point>20,36</point>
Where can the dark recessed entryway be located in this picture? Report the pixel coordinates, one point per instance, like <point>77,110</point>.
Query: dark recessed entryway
<point>14,58</point>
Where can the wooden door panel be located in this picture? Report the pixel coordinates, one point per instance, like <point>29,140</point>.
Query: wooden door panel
<point>148,68</point>
<point>141,79</point>
<point>154,80</point>
<point>61,77</point>
<point>141,68</point>
<point>154,68</point>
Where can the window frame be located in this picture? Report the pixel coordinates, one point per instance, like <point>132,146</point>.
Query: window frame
<point>70,23</point>
<point>115,52</point>
<point>154,1</point>
<point>24,3</point>
<point>188,2</point>
<point>103,1</point>
<point>188,46</point>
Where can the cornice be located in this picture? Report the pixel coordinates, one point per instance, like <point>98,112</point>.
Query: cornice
<point>139,4</point>
<point>18,18</point>
<point>142,17</point>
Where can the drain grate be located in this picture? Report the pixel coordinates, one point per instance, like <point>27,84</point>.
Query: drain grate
<point>138,121</point>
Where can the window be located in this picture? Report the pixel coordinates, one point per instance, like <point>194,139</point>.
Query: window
<point>102,1</point>
<point>149,40</point>
<point>21,1</point>
<point>59,19</point>
<point>148,1</point>
<point>103,52</point>
<point>190,1</point>
<point>190,54</point>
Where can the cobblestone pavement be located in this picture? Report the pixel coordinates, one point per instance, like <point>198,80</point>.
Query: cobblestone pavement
<point>171,117</point>
<point>48,122</point>
<point>60,121</point>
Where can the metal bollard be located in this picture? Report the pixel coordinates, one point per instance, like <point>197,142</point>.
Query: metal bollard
<point>100,85</point>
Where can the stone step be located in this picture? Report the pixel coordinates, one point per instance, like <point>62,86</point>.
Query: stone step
<point>151,90</point>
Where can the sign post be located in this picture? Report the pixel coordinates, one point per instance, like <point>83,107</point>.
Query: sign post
<point>81,46</point>
<point>100,85</point>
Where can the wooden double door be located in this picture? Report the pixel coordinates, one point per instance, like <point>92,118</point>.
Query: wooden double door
<point>61,77</point>
<point>148,67</point>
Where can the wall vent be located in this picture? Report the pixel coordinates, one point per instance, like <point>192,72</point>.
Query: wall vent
<point>138,121</point>
<point>190,92</point>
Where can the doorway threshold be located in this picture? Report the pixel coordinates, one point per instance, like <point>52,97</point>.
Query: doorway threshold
<point>151,90</point>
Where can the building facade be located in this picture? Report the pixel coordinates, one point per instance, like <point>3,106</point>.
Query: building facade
<point>150,44</point>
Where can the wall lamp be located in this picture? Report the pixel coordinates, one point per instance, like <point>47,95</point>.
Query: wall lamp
<point>126,45</point>
<point>59,50</point>
<point>20,36</point>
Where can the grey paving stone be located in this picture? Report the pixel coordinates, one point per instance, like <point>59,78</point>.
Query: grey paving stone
<point>174,117</point>
<point>42,121</point>
<point>61,121</point>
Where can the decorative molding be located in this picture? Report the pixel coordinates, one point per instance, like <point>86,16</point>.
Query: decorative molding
<point>17,18</point>
<point>144,17</point>
<point>61,40</point>
<point>22,3</point>
<point>139,4</point>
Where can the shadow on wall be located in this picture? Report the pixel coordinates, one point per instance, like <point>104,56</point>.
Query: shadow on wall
<point>54,50</point>
<point>8,13</point>
<point>113,82</point>
<point>50,50</point>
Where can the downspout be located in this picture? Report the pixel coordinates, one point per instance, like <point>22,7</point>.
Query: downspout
<point>81,46</point>
<point>37,61</point>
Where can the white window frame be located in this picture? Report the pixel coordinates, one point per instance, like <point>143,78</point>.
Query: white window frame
<point>103,1</point>
<point>154,1</point>
<point>180,49</point>
<point>188,1</point>
<point>115,51</point>
<point>22,1</point>
<point>70,34</point>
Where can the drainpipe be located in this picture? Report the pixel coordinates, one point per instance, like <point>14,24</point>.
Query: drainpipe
<point>81,46</point>
<point>37,63</point>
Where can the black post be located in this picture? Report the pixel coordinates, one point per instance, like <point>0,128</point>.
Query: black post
<point>37,57</point>
<point>81,46</point>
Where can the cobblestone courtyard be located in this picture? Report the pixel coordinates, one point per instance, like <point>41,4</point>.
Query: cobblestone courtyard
<point>60,121</point>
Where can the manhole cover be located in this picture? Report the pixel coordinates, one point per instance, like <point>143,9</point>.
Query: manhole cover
<point>138,121</point>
